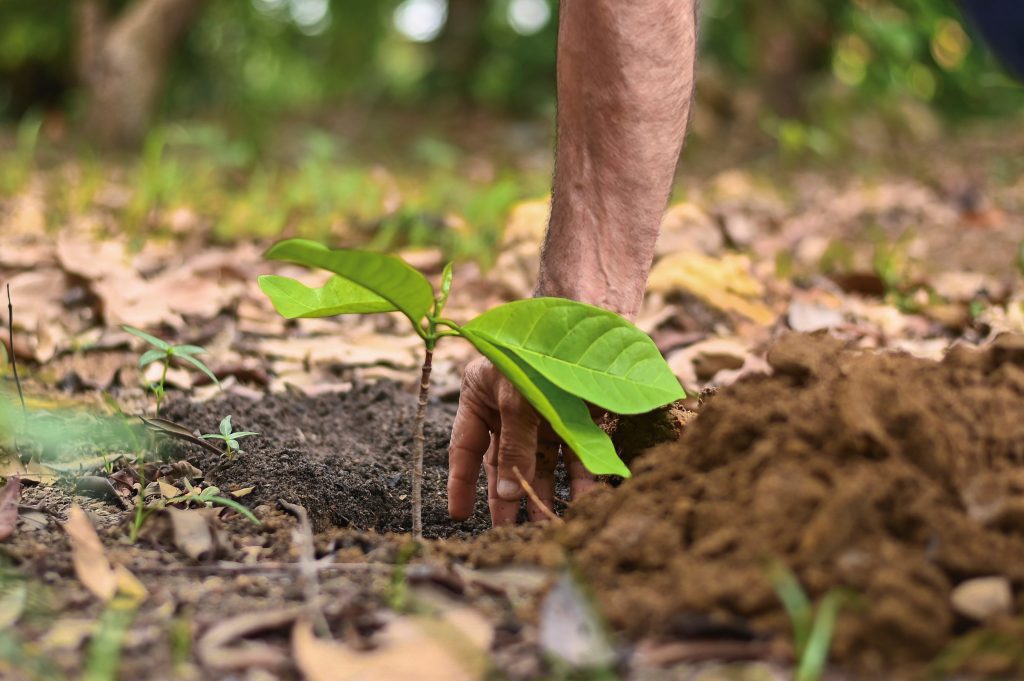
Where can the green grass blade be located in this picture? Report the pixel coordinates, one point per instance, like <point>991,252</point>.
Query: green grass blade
<point>796,603</point>
<point>815,655</point>
<point>152,340</point>
<point>387,276</point>
<point>584,350</point>
<point>103,659</point>
<point>234,505</point>
<point>568,415</point>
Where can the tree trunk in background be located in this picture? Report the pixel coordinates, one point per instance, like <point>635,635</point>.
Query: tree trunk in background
<point>122,64</point>
<point>791,41</point>
<point>459,47</point>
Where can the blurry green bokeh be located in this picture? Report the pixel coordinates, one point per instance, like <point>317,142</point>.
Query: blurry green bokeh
<point>252,60</point>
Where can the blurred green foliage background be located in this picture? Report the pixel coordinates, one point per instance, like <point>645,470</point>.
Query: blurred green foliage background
<point>422,122</point>
<point>252,60</point>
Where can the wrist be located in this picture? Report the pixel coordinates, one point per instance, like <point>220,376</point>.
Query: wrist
<point>587,284</point>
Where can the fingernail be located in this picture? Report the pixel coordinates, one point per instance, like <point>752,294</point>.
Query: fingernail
<point>508,489</point>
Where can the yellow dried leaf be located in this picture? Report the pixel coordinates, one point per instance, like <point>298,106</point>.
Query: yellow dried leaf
<point>724,283</point>
<point>90,561</point>
<point>527,222</point>
<point>410,649</point>
<point>239,493</point>
<point>167,490</point>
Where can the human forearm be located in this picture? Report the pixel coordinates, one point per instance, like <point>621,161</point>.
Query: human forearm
<point>625,79</point>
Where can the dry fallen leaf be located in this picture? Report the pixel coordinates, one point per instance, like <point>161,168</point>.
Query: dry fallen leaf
<point>724,283</point>
<point>10,495</point>
<point>192,533</point>
<point>570,628</point>
<point>90,561</point>
<point>423,648</point>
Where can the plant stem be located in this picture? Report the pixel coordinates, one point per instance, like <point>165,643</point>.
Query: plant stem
<point>419,445</point>
<point>14,358</point>
<point>163,380</point>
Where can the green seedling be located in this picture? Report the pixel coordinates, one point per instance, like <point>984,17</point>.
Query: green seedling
<point>812,628</point>
<point>558,353</point>
<point>209,496</point>
<point>162,351</point>
<point>229,437</point>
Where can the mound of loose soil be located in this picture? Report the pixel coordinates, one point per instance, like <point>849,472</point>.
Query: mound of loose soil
<point>344,457</point>
<point>899,478</point>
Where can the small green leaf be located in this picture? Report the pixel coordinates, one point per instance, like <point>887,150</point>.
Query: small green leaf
<point>811,666</point>
<point>180,350</point>
<point>199,365</point>
<point>446,287</point>
<point>212,436</point>
<point>795,601</point>
<point>233,444</point>
<point>387,276</point>
<point>150,356</point>
<point>586,351</point>
<point>225,426</point>
<point>232,504</point>
<point>152,340</point>
<point>293,299</point>
<point>567,414</point>
<point>243,433</point>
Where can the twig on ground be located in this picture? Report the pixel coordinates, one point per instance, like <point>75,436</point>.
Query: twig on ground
<point>214,649</point>
<point>303,538</point>
<point>419,441</point>
<point>14,361</point>
<point>534,498</point>
<point>261,568</point>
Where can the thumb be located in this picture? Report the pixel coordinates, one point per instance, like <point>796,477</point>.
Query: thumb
<point>518,445</point>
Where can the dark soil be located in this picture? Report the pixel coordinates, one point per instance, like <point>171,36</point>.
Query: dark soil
<point>896,477</point>
<point>344,457</point>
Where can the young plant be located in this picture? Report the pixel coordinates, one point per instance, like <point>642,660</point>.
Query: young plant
<point>812,628</point>
<point>558,353</point>
<point>209,496</point>
<point>162,351</point>
<point>229,437</point>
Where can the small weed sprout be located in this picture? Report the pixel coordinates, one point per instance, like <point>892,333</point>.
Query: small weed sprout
<point>162,351</point>
<point>812,627</point>
<point>229,437</point>
<point>559,354</point>
<point>209,496</point>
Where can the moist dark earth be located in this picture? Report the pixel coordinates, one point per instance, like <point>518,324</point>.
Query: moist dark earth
<point>897,478</point>
<point>344,457</point>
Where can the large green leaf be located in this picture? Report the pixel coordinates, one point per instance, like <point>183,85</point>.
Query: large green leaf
<point>586,351</point>
<point>568,415</point>
<point>387,276</point>
<point>293,299</point>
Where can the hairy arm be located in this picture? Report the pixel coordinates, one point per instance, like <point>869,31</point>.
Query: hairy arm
<point>625,79</point>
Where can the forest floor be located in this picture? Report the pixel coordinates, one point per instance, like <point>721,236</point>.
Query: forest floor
<point>852,341</point>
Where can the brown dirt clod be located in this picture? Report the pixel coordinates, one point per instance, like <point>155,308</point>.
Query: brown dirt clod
<point>893,476</point>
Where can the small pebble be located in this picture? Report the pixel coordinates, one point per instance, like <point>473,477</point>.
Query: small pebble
<point>983,598</point>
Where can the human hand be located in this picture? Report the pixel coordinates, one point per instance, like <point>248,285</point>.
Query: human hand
<point>497,427</point>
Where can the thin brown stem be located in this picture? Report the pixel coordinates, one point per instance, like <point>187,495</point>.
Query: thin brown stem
<point>419,446</point>
<point>528,488</point>
<point>14,361</point>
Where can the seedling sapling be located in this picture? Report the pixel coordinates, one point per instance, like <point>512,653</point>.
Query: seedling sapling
<point>229,437</point>
<point>812,627</point>
<point>162,351</point>
<point>560,354</point>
